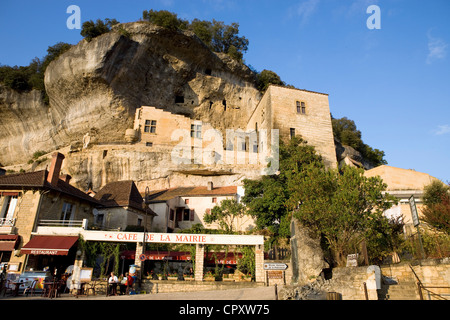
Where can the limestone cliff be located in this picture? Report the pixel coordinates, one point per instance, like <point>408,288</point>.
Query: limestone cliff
<point>96,87</point>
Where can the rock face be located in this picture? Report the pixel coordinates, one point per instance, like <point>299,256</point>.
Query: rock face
<point>96,87</point>
<point>307,256</point>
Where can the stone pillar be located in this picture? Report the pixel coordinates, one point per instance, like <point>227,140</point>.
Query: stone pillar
<point>138,262</point>
<point>199,257</point>
<point>259,263</point>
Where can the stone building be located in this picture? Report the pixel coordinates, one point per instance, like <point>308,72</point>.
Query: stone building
<point>122,206</point>
<point>297,112</point>
<point>183,207</point>
<point>403,183</point>
<point>35,199</point>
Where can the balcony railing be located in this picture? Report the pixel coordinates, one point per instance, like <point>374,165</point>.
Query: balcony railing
<point>63,223</point>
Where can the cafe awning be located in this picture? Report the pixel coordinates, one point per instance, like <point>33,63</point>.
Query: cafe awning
<point>49,245</point>
<point>8,242</point>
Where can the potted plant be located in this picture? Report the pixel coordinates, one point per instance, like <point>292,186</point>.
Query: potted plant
<point>188,277</point>
<point>160,276</point>
<point>209,276</point>
<point>228,277</point>
<point>172,276</point>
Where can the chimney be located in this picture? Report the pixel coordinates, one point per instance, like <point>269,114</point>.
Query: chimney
<point>210,186</point>
<point>55,168</point>
<point>65,177</point>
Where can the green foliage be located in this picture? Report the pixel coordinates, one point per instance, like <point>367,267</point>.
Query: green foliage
<point>246,264</point>
<point>164,18</point>
<point>215,34</point>
<point>266,78</point>
<point>91,29</point>
<point>345,131</point>
<point>344,207</point>
<point>227,214</point>
<point>436,212</point>
<point>24,79</point>
<point>267,199</point>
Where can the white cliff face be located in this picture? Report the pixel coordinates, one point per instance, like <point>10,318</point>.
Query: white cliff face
<point>96,87</point>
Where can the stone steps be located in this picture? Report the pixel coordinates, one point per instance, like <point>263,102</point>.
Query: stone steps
<point>402,291</point>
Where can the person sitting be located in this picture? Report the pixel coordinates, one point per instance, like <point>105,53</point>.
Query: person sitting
<point>112,285</point>
<point>123,284</point>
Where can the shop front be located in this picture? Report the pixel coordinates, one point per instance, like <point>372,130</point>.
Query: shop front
<point>52,254</point>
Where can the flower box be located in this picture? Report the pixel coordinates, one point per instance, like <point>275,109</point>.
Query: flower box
<point>172,278</point>
<point>209,279</point>
<point>189,278</point>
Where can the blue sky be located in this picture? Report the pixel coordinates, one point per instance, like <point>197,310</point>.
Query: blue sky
<point>394,82</point>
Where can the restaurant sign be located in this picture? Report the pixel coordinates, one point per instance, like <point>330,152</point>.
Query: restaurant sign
<point>184,238</point>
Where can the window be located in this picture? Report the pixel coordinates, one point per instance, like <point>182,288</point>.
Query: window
<point>187,215</point>
<point>301,107</point>
<point>68,211</point>
<point>196,131</point>
<point>186,201</point>
<point>9,205</point>
<point>139,222</point>
<point>149,144</point>
<point>214,200</point>
<point>179,99</point>
<point>150,126</point>
<point>292,132</point>
<point>171,215</point>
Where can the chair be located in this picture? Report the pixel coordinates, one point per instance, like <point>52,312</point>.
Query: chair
<point>31,288</point>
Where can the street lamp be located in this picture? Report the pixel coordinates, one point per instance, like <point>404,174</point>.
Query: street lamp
<point>146,201</point>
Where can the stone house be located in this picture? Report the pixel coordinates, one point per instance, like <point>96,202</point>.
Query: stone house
<point>35,199</point>
<point>403,183</point>
<point>296,112</point>
<point>122,206</point>
<point>183,207</point>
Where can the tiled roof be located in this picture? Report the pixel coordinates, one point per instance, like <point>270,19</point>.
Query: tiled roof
<point>37,179</point>
<point>167,194</point>
<point>27,179</point>
<point>121,194</point>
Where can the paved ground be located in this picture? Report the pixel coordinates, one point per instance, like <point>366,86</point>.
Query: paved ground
<point>259,293</point>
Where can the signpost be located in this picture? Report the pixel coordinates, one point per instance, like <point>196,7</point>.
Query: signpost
<point>416,222</point>
<point>275,266</point>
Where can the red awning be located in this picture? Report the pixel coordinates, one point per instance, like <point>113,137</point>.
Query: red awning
<point>49,245</point>
<point>8,242</point>
<point>182,256</point>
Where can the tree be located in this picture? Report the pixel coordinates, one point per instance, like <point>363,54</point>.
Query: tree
<point>164,18</point>
<point>91,29</point>
<point>214,34</point>
<point>436,212</point>
<point>345,132</point>
<point>267,199</point>
<point>227,214</point>
<point>344,207</point>
<point>266,78</point>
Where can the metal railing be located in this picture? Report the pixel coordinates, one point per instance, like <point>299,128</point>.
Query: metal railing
<point>62,223</point>
<point>422,288</point>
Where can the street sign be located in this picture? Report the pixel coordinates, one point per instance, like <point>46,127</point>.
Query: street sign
<point>142,257</point>
<point>275,266</point>
<point>415,216</point>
